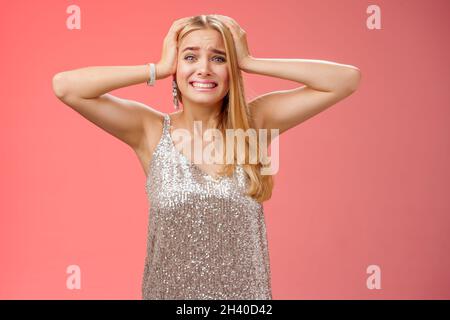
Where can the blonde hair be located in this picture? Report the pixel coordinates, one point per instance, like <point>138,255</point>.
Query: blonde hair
<point>235,111</point>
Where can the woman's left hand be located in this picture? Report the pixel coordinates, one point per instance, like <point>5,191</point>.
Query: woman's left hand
<point>240,40</point>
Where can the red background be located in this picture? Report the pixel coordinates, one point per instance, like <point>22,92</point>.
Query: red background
<point>365,182</point>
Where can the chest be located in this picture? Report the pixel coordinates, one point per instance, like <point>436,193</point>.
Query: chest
<point>186,150</point>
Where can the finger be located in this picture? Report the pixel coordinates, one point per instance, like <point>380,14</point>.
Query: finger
<point>225,22</point>
<point>229,22</point>
<point>231,25</point>
<point>228,19</point>
<point>179,24</point>
<point>224,19</point>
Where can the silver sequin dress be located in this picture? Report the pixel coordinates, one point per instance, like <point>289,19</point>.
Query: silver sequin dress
<point>206,238</point>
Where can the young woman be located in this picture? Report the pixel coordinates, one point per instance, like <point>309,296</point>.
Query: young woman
<point>206,232</point>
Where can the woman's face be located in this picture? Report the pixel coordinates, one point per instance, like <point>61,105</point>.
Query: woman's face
<point>202,64</point>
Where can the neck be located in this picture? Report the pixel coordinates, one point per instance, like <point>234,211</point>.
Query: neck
<point>207,116</point>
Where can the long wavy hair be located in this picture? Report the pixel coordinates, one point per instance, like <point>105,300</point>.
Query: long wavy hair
<point>234,113</point>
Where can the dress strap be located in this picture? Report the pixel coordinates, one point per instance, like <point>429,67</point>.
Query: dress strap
<point>166,123</point>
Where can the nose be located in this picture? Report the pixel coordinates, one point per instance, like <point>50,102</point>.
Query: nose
<point>204,67</point>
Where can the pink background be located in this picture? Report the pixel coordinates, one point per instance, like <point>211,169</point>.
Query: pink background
<point>365,182</point>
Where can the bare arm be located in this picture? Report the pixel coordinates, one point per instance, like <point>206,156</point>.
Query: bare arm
<point>326,83</point>
<point>86,91</point>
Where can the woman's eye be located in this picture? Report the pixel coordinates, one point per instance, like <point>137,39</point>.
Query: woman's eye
<point>222,59</point>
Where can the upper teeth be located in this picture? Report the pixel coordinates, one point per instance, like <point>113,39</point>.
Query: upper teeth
<point>203,85</point>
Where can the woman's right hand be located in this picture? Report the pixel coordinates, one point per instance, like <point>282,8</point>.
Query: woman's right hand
<point>167,65</point>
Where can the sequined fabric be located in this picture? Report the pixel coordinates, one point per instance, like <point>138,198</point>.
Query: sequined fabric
<point>206,238</point>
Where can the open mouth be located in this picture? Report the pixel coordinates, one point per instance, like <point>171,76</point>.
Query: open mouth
<point>200,87</point>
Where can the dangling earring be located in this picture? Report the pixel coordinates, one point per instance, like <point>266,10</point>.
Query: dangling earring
<point>174,93</point>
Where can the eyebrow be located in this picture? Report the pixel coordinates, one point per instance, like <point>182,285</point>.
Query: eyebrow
<point>212,50</point>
